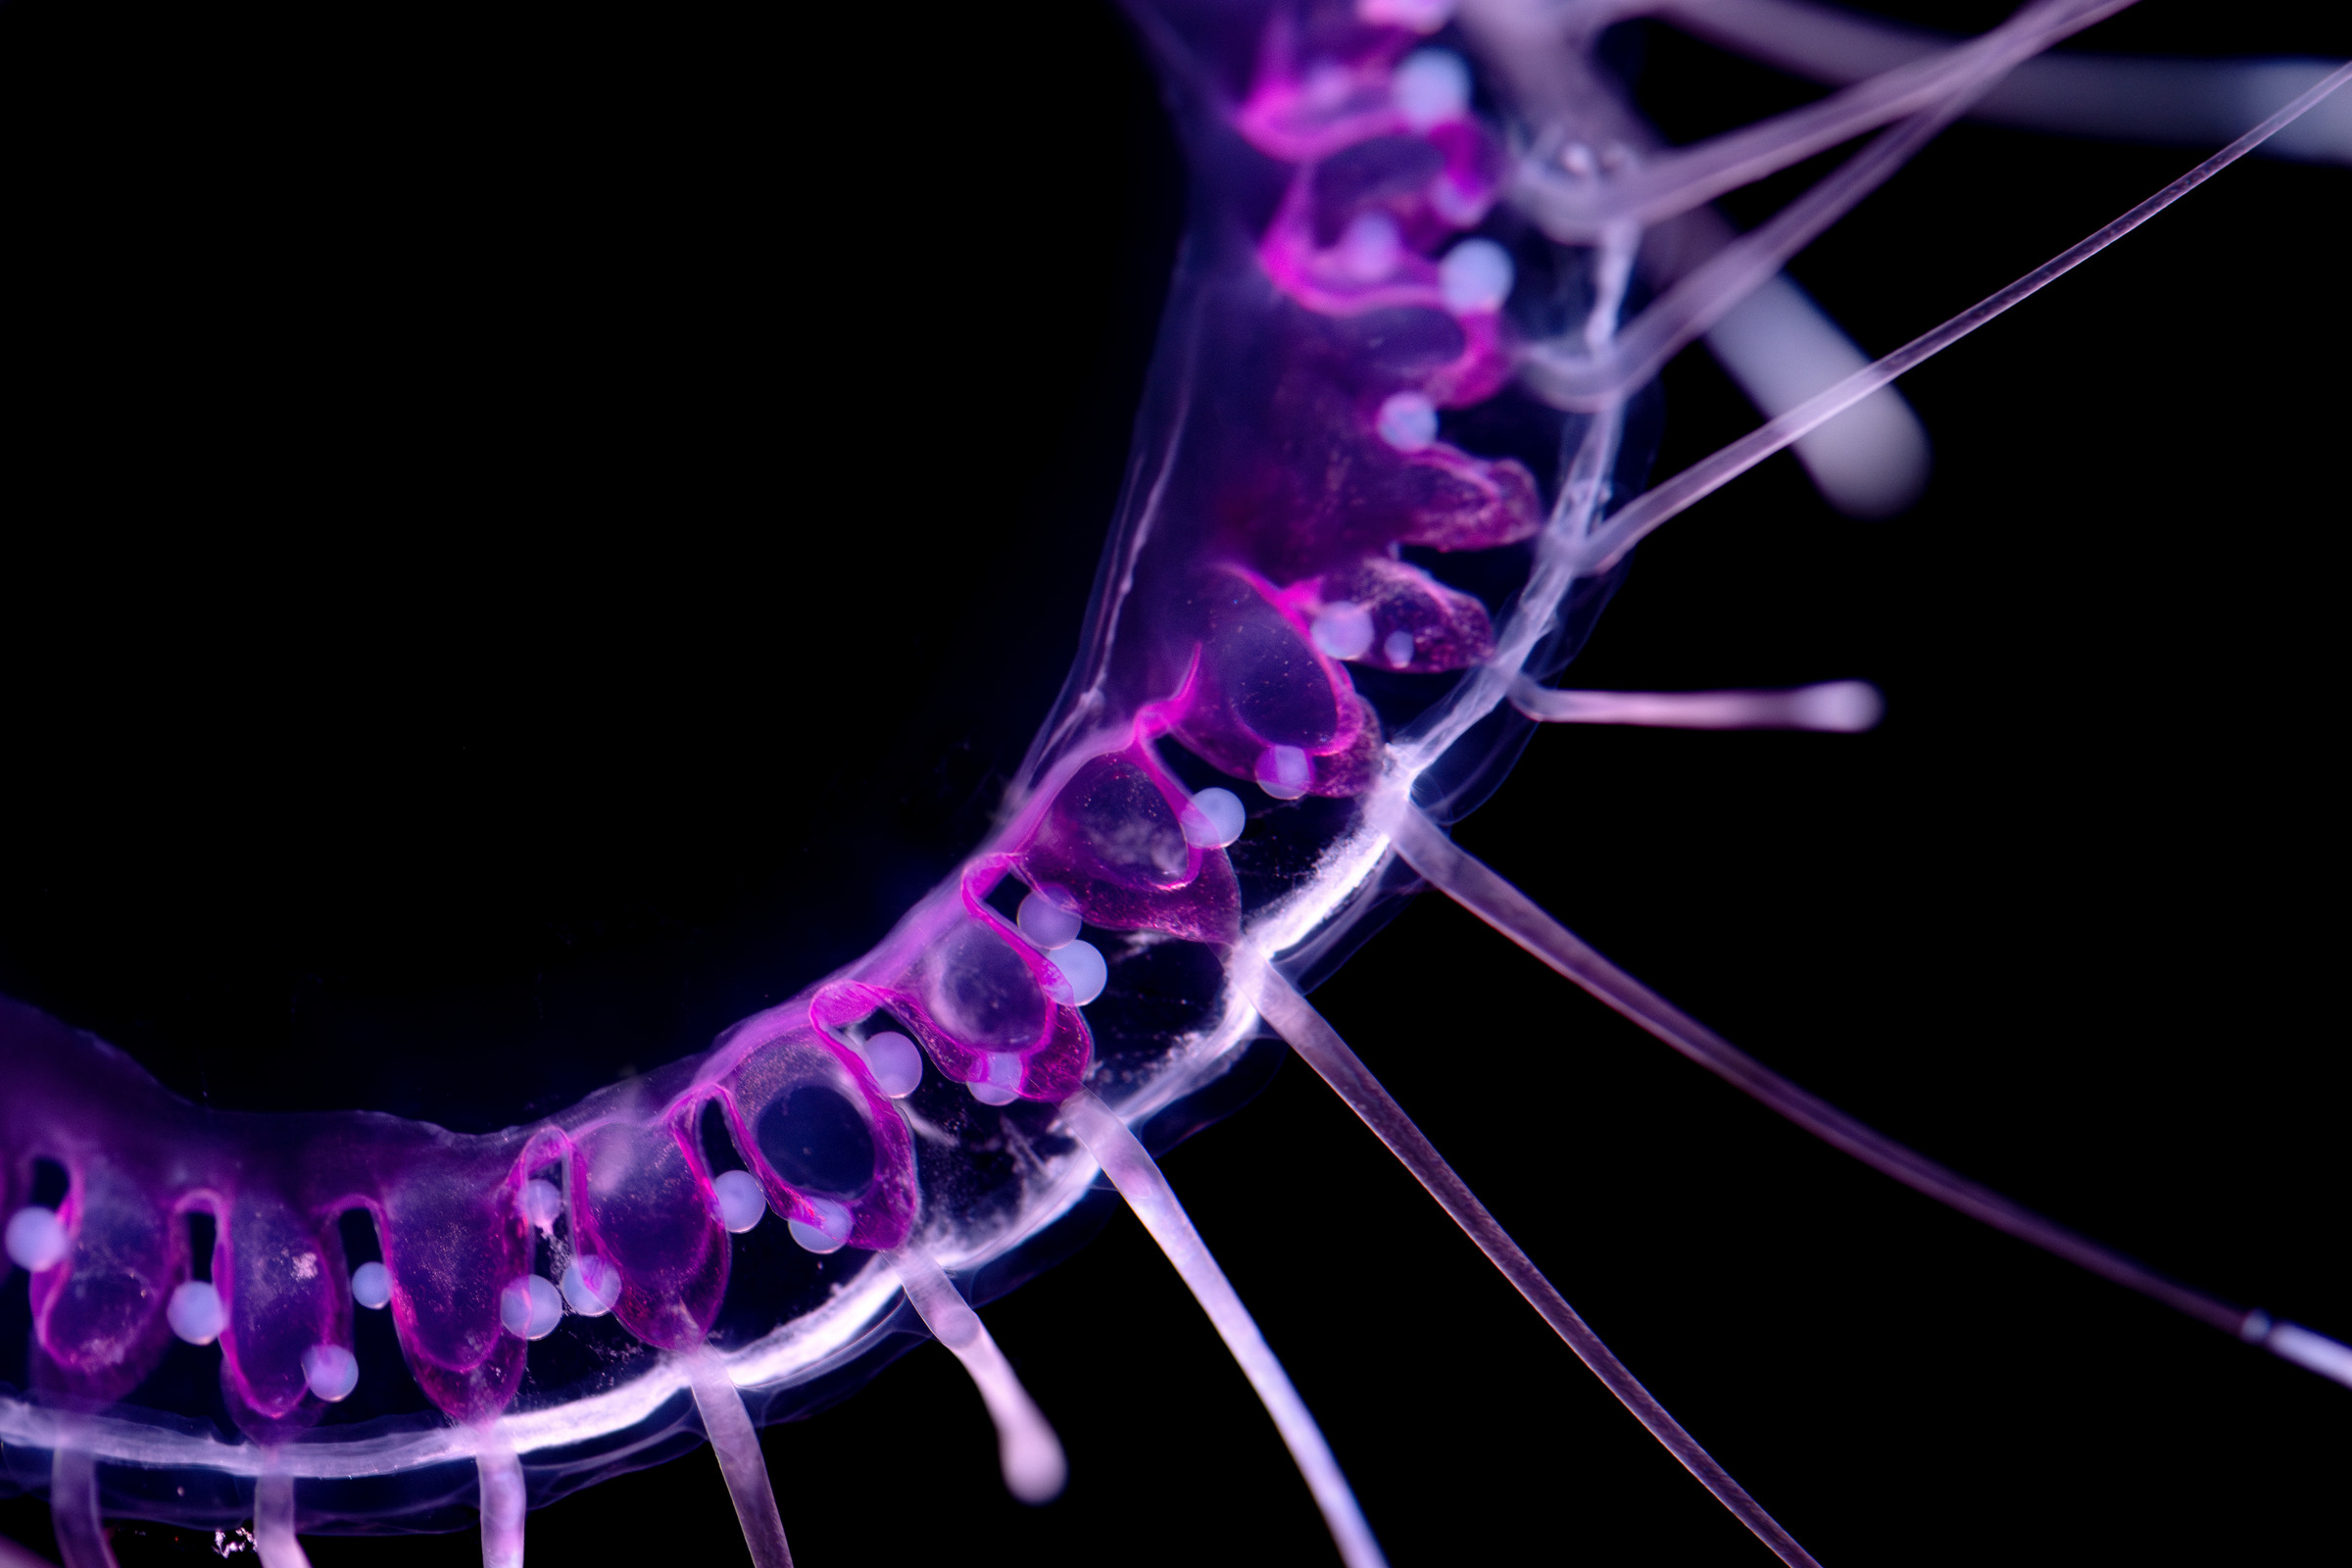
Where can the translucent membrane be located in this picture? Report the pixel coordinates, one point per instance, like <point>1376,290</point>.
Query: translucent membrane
<point>736,1442</point>
<point>1839,706</point>
<point>1473,885</point>
<point>1035,1468</point>
<point>1320,1045</point>
<point>1626,528</point>
<point>273,1523</point>
<point>1131,1170</point>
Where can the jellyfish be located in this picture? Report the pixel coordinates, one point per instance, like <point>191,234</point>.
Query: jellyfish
<point>739,729</point>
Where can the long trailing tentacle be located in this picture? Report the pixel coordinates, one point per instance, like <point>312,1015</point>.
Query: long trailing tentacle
<point>1585,378</point>
<point>505,1501</point>
<point>736,1442</point>
<point>1575,210</point>
<point>1309,1034</point>
<point>1475,886</point>
<point>1629,526</point>
<point>74,1509</point>
<point>1132,1170</point>
<point>1775,343</point>
<point>2117,97</point>
<point>273,1537</point>
<point>1842,706</point>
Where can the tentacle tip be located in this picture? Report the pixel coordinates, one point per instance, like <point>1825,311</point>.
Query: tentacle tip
<point>1035,1469</point>
<point>1843,707</point>
<point>1872,462</point>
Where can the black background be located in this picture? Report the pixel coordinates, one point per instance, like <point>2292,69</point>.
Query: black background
<point>523,536</point>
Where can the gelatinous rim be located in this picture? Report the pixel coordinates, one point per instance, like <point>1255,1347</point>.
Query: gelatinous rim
<point>850,1326</point>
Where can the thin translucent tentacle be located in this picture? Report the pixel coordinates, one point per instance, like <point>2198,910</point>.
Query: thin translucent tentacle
<point>1474,884</point>
<point>736,1442</point>
<point>74,1509</point>
<point>1309,1034</point>
<point>1844,706</point>
<point>1131,1169</point>
<point>2117,97</point>
<point>1585,380</point>
<point>1035,1467</point>
<point>1575,211</point>
<point>1626,528</point>
<point>505,1503</point>
<point>274,1539</point>
<point>1777,345</point>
